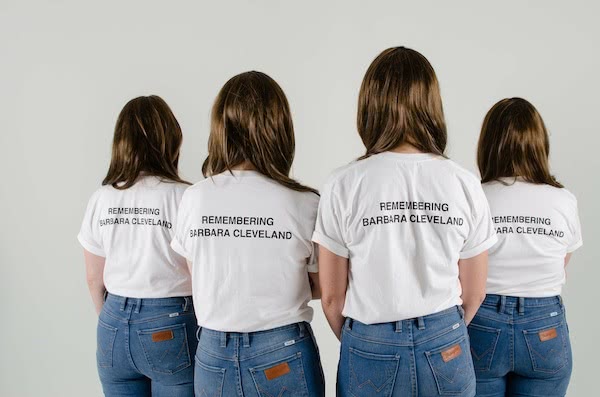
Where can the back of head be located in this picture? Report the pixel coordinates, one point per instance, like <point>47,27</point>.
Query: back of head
<point>400,102</point>
<point>147,139</point>
<point>251,123</point>
<point>514,143</point>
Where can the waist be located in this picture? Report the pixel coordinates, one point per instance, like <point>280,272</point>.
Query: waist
<point>508,301</point>
<point>285,335</point>
<point>123,301</point>
<point>440,320</point>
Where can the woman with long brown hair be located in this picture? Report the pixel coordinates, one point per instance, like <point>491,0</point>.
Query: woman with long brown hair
<point>403,235</point>
<point>246,232</point>
<point>140,287</point>
<point>519,337</point>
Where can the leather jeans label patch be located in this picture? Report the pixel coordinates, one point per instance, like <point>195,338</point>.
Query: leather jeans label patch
<point>161,336</point>
<point>451,353</point>
<point>277,371</point>
<point>547,334</point>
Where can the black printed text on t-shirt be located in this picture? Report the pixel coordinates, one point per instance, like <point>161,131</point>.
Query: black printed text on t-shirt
<point>237,232</point>
<point>519,224</point>
<point>115,216</point>
<point>412,213</point>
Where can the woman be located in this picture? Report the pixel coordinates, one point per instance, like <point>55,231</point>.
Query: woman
<point>146,326</point>
<point>246,233</point>
<point>519,337</point>
<point>403,235</point>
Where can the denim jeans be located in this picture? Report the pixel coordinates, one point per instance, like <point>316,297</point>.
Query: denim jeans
<point>145,346</point>
<point>521,347</point>
<point>426,356</point>
<point>282,361</point>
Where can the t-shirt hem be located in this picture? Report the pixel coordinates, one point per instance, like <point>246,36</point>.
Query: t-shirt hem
<point>574,246</point>
<point>330,244</point>
<point>487,244</point>
<point>268,327</point>
<point>153,295</point>
<point>88,246</point>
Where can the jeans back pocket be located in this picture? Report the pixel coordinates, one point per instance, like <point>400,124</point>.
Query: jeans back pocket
<point>483,345</point>
<point>547,347</point>
<point>166,348</point>
<point>452,367</point>
<point>372,374</point>
<point>208,381</point>
<point>284,377</point>
<point>105,337</point>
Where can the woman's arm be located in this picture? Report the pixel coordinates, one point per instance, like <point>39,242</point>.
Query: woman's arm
<point>568,258</point>
<point>315,285</point>
<point>333,277</point>
<point>472,273</point>
<point>94,269</point>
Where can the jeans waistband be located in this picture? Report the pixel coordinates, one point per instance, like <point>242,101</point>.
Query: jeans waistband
<point>302,329</point>
<point>419,321</point>
<point>138,303</point>
<point>502,302</point>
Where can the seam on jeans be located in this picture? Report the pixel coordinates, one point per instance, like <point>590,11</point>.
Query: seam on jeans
<point>159,317</point>
<point>272,349</point>
<point>213,355</point>
<point>379,341</point>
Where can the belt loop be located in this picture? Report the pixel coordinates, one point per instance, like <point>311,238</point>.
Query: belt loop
<point>198,330</point>
<point>223,339</point>
<point>105,296</point>
<point>349,323</point>
<point>399,326</point>
<point>123,303</point>
<point>421,323</point>
<point>560,300</point>
<point>246,339</point>
<point>186,303</point>
<point>301,330</point>
<point>138,304</point>
<point>502,304</point>
<point>521,306</point>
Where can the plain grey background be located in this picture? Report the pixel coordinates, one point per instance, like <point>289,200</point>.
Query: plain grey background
<point>69,66</point>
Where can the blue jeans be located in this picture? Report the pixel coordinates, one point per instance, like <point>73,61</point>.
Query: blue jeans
<point>426,356</point>
<point>521,347</point>
<point>282,361</point>
<point>145,346</point>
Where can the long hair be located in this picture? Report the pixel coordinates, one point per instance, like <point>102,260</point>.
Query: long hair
<point>147,140</point>
<point>400,102</point>
<point>514,143</point>
<point>251,122</point>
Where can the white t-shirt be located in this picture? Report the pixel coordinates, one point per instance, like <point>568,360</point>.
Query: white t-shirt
<point>248,239</point>
<point>132,229</point>
<point>404,221</point>
<point>537,225</point>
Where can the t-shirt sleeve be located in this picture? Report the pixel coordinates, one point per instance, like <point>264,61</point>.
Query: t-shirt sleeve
<point>180,242</point>
<point>576,240</point>
<point>482,235</point>
<point>328,231</point>
<point>89,234</point>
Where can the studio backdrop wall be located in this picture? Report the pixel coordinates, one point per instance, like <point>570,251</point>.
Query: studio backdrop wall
<point>69,66</point>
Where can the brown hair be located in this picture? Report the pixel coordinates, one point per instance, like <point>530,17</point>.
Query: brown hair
<point>400,102</point>
<point>514,143</point>
<point>251,122</point>
<point>147,140</point>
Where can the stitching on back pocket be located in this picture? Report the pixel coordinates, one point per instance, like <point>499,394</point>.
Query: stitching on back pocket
<point>166,353</point>
<point>372,374</point>
<point>483,345</point>
<point>281,377</point>
<point>550,355</point>
<point>105,338</point>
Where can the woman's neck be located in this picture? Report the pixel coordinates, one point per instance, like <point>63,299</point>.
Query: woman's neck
<point>405,148</point>
<point>245,166</point>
